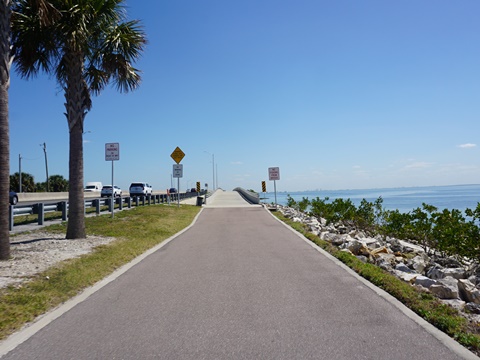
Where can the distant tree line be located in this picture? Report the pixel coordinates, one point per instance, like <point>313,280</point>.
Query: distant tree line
<point>56,183</point>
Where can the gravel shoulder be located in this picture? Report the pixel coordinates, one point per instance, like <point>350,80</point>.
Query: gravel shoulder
<point>32,253</point>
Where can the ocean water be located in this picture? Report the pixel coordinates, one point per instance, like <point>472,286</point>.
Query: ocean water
<point>404,199</point>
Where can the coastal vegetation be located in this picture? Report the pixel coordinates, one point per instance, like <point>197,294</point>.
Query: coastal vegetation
<point>451,232</point>
<point>56,183</point>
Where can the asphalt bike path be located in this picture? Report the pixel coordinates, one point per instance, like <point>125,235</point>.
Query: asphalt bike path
<point>238,284</point>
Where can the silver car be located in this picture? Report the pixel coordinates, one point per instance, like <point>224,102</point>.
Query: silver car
<point>107,191</point>
<point>140,189</point>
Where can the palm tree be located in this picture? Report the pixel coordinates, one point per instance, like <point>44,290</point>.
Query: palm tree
<point>28,182</point>
<point>58,183</point>
<point>87,44</point>
<point>5,63</point>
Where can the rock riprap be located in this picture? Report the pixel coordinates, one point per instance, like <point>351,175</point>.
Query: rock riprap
<point>455,283</point>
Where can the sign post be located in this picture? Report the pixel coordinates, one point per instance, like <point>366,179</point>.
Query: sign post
<point>274,174</point>
<point>264,189</point>
<point>177,155</point>
<point>112,153</point>
<point>178,173</point>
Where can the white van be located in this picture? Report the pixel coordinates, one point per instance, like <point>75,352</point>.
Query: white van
<point>93,186</point>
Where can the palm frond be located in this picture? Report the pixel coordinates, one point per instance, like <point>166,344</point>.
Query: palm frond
<point>33,44</point>
<point>121,46</point>
<point>91,29</point>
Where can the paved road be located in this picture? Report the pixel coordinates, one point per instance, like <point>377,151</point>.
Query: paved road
<point>236,285</point>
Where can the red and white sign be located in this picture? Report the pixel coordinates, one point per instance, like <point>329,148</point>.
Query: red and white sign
<point>274,173</point>
<point>112,151</point>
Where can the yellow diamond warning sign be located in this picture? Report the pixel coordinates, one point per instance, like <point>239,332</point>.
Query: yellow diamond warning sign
<point>177,155</point>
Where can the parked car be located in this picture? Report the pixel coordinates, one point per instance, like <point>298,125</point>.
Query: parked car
<point>13,199</point>
<point>93,186</point>
<point>107,191</point>
<point>172,191</point>
<point>193,189</point>
<point>140,189</point>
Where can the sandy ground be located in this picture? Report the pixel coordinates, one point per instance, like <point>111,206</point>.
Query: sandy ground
<point>32,253</point>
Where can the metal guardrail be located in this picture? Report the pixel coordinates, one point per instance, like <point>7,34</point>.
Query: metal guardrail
<point>41,209</point>
<point>249,196</point>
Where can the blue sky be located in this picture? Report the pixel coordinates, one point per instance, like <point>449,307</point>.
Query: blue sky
<point>337,94</point>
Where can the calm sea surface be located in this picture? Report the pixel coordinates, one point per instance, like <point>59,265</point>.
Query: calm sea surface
<point>404,199</point>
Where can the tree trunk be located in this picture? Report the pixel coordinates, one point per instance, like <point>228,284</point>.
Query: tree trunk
<point>4,128</point>
<point>75,93</point>
<point>4,175</point>
<point>76,212</point>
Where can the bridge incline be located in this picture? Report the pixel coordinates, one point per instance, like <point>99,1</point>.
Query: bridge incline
<point>227,199</point>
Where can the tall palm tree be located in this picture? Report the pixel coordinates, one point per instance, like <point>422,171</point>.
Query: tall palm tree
<point>28,182</point>
<point>86,44</point>
<point>5,61</point>
<point>6,57</point>
<point>58,183</point>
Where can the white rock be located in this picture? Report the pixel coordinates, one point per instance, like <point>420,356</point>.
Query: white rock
<point>455,303</point>
<point>418,263</point>
<point>438,272</point>
<point>384,257</point>
<point>414,247</point>
<point>402,267</point>
<point>468,291</point>
<point>410,278</point>
<point>473,308</point>
<point>324,235</point>
<point>337,239</point>
<point>457,273</point>
<point>359,235</point>
<point>424,281</point>
<point>446,288</point>
<point>357,248</point>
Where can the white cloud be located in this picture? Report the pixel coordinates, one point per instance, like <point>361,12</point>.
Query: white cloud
<point>237,163</point>
<point>467,146</point>
<point>242,176</point>
<point>418,165</point>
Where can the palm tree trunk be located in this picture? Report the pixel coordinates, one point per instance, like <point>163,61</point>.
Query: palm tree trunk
<point>75,105</point>
<point>4,128</point>
<point>4,175</point>
<point>76,212</point>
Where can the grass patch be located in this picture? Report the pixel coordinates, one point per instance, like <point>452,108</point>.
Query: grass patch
<point>136,230</point>
<point>52,215</point>
<point>33,218</point>
<point>424,304</point>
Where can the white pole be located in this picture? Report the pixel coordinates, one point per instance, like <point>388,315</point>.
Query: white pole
<point>20,172</point>
<point>213,170</point>
<point>178,191</point>
<point>113,203</point>
<point>275,188</point>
